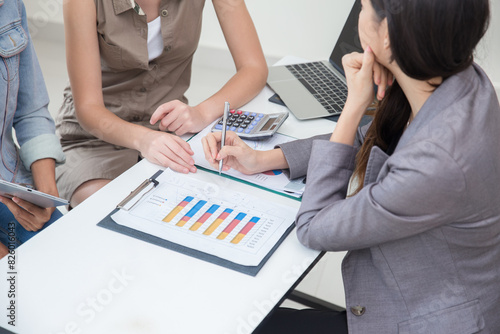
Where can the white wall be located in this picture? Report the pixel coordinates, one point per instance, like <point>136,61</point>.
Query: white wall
<point>488,52</point>
<point>287,27</point>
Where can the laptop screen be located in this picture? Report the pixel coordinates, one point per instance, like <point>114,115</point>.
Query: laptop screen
<point>348,40</point>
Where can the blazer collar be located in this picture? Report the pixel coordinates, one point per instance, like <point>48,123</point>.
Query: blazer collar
<point>451,90</point>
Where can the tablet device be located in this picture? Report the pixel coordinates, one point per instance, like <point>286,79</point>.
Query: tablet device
<point>9,190</point>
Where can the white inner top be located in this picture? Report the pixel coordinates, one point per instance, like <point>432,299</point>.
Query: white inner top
<point>155,41</point>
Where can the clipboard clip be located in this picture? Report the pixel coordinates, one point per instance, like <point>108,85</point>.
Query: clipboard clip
<point>123,205</point>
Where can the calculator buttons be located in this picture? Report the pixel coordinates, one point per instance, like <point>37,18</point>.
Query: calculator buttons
<point>255,125</point>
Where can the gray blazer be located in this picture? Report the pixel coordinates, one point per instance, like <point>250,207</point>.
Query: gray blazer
<point>423,234</point>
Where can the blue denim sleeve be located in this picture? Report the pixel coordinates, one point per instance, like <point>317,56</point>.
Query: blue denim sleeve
<point>35,128</point>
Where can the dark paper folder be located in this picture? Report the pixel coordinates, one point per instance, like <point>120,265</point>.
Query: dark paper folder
<point>110,224</point>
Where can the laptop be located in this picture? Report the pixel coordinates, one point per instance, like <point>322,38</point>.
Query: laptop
<point>318,89</point>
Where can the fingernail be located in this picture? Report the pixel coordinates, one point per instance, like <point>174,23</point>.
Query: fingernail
<point>368,49</point>
<point>15,199</point>
<point>193,169</point>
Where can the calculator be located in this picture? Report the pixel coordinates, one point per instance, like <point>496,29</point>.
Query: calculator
<point>251,125</point>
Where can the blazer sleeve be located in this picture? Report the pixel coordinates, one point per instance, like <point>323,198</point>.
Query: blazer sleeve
<point>297,153</point>
<point>422,187</point>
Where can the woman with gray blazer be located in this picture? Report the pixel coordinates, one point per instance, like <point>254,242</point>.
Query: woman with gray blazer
<point>422,219</point>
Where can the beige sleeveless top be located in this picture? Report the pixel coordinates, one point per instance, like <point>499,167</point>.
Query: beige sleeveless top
<point>132,86</point>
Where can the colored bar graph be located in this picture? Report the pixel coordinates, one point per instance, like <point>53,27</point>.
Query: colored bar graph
<point>191,213</point>
<point>244,231</point>
<point>178,209</point>
<point>218,221</point>
<point>204,218</point>
<point>231,226</point>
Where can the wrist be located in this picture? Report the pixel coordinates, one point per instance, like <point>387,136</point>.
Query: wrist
<point>354,110</point>
<point>43,172</point>
<point>141,138</point>
<point>270,160</point>
<point>206,113</point>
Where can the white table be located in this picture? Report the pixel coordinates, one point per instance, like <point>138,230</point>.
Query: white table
<point>76,277</point>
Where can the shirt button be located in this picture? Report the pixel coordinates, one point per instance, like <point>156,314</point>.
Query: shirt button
<point>167,48</point>
<point>142,90</point>
<point>136,118</point>
<point>358,310</point>
<point>164,13</point>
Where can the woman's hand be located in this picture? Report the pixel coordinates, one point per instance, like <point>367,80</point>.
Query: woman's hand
<point>178,117</point>
<point>30,216</point>
<point>362,71</point>
<point>167,150</point>
<point>235,153</point>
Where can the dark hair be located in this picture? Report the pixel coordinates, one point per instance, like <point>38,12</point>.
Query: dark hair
<point>429,38</point>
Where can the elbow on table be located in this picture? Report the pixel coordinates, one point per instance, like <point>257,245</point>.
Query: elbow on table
<point>306,237</point>
<point>317,237</point>
<point>260,72</point>
<point>257,71</point>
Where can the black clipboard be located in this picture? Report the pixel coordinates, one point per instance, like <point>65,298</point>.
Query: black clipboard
<point>110,224</point>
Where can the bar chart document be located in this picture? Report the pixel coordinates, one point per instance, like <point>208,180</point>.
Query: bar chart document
<point>229,224</point>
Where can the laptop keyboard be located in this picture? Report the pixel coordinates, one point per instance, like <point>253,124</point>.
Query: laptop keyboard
<point>322,83</point>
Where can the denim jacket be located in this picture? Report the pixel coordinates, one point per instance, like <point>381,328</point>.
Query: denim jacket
<point>23,100</point>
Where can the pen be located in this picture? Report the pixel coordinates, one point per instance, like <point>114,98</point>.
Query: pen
<point>223,136</point>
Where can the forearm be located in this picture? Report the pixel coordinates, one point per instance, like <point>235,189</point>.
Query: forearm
<point>270,160</point>
<point>103,124</point>
<point>44,176</point>
<point>347,125</point>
